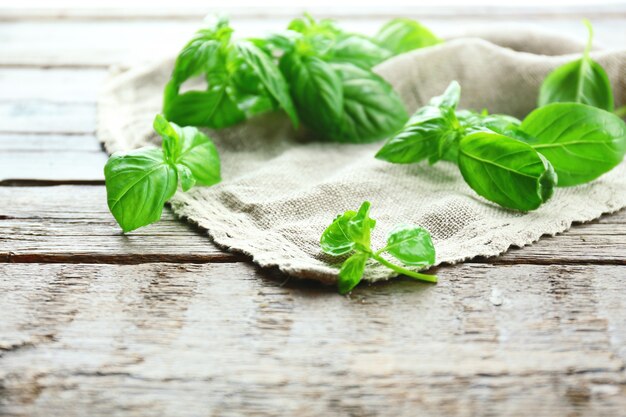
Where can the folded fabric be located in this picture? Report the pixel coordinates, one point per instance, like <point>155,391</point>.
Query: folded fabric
<point>280,191</point>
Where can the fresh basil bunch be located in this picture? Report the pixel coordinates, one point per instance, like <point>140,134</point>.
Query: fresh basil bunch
<point>512,163</point>
<point>314,71</point>
<point>350,233</point>
<point>140,182</point>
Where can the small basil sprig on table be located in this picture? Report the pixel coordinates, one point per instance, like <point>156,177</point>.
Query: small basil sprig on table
<point>350,233</point>
<point>140,182</point>
<point>580,81</point>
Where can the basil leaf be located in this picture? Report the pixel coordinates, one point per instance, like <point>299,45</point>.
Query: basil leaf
<point>187,179</point>
<point>360,226</point>
<point>351,272</point>
<point>411,245</point>
<point>138,184</point>
<point>170,137</point>
<point>403,35</point>
<point>414,142</point>
<point>450,98</point>
<point>581,81</point>
<point>431,133</point>
<point>506,171</point>
<point>283,41</point>
<point>372,110</point>
<point>202,52</point>
<point>198,153</point>
<point>316,90</point>
<point>269,75</point>
<point>358,50</point>
<point>336,240</point>
<point>214,108</point>
<point>581,142</point>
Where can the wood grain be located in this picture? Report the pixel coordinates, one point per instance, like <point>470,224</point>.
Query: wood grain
<point>190,340</point>
<point>51,159</point>
<point>98,44</point>
<point>73,224</point>
<point>49,101</point>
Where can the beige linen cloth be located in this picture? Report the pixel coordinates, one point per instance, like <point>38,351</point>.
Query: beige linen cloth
<point>280,191</point>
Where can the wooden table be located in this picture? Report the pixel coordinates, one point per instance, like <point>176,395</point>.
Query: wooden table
<point>163,323</point>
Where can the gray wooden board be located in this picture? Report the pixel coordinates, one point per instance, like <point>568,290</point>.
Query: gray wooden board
<point>224,339</point>
<point>35,100</point>
<point>73,224</point>
<point>51,159</point>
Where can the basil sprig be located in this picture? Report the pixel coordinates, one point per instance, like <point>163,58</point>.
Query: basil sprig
<point>514,164</point>
<point>140,182</point>
<point>350,233</point>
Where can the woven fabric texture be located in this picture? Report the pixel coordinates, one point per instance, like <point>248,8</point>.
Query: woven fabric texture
<point>280,191</point>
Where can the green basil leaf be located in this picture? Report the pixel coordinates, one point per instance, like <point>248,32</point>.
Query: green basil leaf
<point>336,240</point>
<point>351,272</point>
<point>360,227</point>
<point>506,171</point>
<point>316,90</point>
<point>214,108</point>
<point>581,81</point>
<point>372,110</point>
<point>138,184</point>
<point>203,52</point>
<point>170,136</point>
<point>580,141</point>
<point>283,41</point>
<point>450,98</point>
<point>310,27</point>
<point>411,245</point>
<point>198,153</point>
<point>358,50</point>
<point>403,35</point>
<point>415,142</point>
<point>270,76</point>
<point>186,177</point>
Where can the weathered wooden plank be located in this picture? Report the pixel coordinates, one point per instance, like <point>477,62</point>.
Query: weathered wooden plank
<point>50,85</point>
<point>72,224</point>
<point>101,43</point>
<point>49,101</point>
<point>51,159</point>
<point>38,116</point>
<point>185,340</point>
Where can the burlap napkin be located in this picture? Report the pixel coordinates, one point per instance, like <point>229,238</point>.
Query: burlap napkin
<point>279,192</point>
